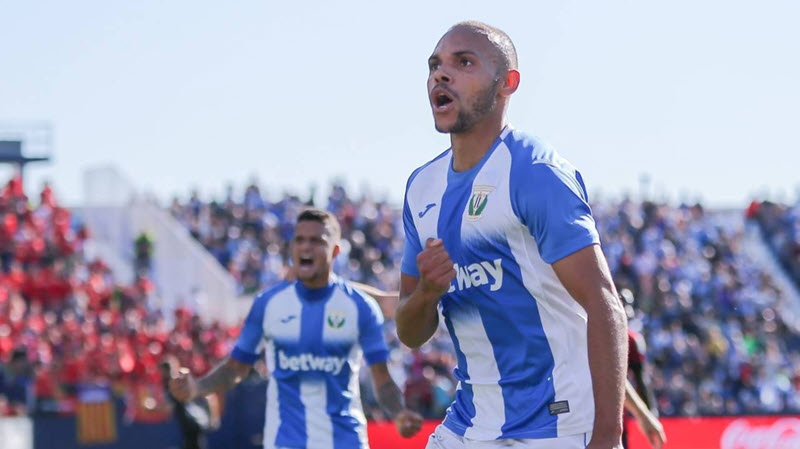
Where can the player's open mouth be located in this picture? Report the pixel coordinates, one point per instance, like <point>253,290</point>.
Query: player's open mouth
<point>442,101</point>
<point>305,261</point>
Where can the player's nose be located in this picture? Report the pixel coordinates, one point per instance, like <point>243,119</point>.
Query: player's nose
<point>441,76</point>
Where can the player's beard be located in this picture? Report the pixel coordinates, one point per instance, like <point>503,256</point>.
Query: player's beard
<point>481,106</point>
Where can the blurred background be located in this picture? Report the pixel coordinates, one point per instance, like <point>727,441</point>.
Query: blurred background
<point>153,158</point>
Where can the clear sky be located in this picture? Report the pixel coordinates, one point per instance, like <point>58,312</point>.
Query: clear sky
<point>704,96</point>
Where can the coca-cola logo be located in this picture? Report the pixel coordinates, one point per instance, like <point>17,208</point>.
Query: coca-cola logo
<point>781,434</point>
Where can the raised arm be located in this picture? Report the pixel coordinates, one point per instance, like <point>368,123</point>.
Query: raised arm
<point>586,277</point>
<point>417,316</point>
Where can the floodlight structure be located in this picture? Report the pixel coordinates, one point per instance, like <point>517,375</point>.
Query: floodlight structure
<point>22,143</point>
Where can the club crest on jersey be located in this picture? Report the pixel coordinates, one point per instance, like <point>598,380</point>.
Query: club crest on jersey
<point>477,202</point>
<point>336,319</point>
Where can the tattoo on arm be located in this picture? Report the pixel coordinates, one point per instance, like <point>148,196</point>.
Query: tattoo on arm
<point>391,398</point>
<point>221,378</point>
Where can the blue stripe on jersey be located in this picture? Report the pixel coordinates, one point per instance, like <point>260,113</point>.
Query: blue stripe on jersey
<point>454,200</point>
<point>344,424</point>
<point>519,346</point>
<point>292,431</point>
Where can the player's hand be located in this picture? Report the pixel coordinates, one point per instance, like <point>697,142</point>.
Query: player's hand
<point>408,423</point>
<point>435,269</point>
<point>183,386</point>
<point>652,429</point>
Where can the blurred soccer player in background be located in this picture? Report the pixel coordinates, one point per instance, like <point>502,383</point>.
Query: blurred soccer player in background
<point>314,331</point>
<point>500,238</point>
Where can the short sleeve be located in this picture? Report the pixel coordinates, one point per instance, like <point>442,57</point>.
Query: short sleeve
<point>552,202</point>
<point>247,347</point>
<point>370,331</point>
<point>412,246</point>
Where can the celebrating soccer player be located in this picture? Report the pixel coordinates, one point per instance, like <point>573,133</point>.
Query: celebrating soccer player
<point>314,331</point>
<point>500,238</point>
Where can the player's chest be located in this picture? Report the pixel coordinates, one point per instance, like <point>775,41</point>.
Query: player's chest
<point>313,327</point>
<point>470,215</point>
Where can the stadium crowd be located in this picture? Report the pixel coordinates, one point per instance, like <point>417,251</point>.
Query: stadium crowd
<point>712,318</point>
<point>780,226</point>
<point>66,322</point>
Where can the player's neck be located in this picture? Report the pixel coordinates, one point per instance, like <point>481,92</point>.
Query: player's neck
<point>318,282</point>
<point>470,146</point>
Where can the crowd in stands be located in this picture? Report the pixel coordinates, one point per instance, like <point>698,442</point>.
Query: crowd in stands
<point>780,226</point>
<point>66,322</point>
<point>717,342</point>
<point>712,318</point>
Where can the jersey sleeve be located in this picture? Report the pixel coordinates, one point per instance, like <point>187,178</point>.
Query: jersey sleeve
<point>370,331</point>
<point>412,245</point>
<point>552,202</point>
<point>247,347</point>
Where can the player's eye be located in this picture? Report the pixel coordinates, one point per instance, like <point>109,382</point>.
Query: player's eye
<point>465,62</point>
<point>433,66</point>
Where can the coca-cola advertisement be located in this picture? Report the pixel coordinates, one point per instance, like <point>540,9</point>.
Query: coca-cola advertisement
<point>736,432</point>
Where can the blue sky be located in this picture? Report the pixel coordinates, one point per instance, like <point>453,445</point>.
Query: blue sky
<point>702,96</point>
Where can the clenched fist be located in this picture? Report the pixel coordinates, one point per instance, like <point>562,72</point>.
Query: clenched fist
<point>183,386</point>
<point>435,268</point>
<point>408,423</point>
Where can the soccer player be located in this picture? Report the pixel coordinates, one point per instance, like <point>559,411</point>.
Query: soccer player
<point>315,331</point>
<point>500,239</point>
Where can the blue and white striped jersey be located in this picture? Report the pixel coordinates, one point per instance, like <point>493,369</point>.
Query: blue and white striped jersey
<point>313,341</point>
<point>520,338</point>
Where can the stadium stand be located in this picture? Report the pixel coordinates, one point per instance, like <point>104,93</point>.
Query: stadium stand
<point>65,322</point>
<point>780,227</point>
<point>711,315</point>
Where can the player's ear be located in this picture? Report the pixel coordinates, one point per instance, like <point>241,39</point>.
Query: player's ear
<point>336,250</point>
<point>511,83</point>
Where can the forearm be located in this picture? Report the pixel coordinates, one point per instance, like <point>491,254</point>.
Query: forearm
<point>645,393</point>
<point>390,398</point>
<point>633,402</point>
<point>607,328</point>
<point>223,377</point>
<point>417,318</point>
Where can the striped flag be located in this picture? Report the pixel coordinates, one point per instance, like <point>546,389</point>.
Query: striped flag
<point>96,416</point>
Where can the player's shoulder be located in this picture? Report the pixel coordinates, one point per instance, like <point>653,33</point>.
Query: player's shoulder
<point>436,166</point>
<point>268,294</point>
<point>362,300</point>
<point>531,150</point>
<point>535,163</point>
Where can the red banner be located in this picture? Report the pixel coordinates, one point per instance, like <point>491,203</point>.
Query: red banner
<point>738,432</point>
<point>732,432</point>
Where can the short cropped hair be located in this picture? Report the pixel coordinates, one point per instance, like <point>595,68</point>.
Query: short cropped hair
<point>506,52</point>
<point>326,218</point>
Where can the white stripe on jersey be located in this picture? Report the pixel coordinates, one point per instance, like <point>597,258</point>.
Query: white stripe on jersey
<point>484,376</point>
<point>319,429</point>
<point>562,320</point>
<point>273,416</point>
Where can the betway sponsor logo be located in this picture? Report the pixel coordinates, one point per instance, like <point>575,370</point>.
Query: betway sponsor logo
<point>478,274</point>
<point>782,434</point>
<point>310,362</point>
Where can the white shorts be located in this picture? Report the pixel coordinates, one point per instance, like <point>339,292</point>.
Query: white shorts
<point>444,438</point>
